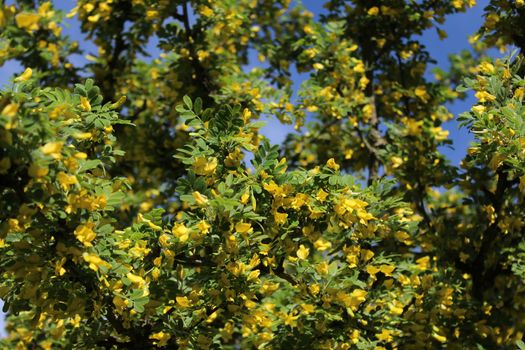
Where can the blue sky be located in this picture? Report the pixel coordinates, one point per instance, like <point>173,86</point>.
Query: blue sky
<point>458,26</point>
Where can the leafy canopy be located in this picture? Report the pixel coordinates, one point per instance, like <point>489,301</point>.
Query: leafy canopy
<point>141,207</point>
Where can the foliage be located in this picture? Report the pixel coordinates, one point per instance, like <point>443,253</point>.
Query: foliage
<point>142,207</point>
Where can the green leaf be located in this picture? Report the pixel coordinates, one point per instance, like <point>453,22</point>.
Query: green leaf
<point>89,164</point>
<point>115,199</point>
<point>462,88</point>
<point>187,102</point>
<point>197,108</point>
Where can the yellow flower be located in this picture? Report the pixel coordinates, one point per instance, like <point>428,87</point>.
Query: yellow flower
<point>80,155</point>
<point>422,93</point>
<point>164,240</point>
<point>246,115</point>
<point>161,338</point>
<point>363,82</point>
<point>139,281</point>
<point>83,135</point>
<point>439,133</point>
<point>373,11</point>
<point>253,275</point>
<point>396,308</point>
<point>205,166</point>
<point>155,273</point>
<point>141,218</point>
<point>312,109</point>
<point>204,227</point>
<point>275,189</point>
<point>243,228</point>
<point>10,110</point>
<point>352,300</point>
<point>423,263</point>
<point>280,218</point>
<point>484,96</point>
<point>385,335</point>
<point>25,76</point>
<point>332,164</point>
<point>59,269</point>
<point>183,302</point>
<point>206,11</point>
<point>139,250</point>
<point>359,67</point>
<point>311,52</point>
<point>321,195</point>
<point>322,268</point>
<point>435,334</point>
<point>152,14</point>
<point>458,4</point>
<point>245,197</point>
<point>181,232</point>
<point>308,29</point>
<point>120,303</point>
<point>303,252</point>
<point>201,199</point>
<point>372,270</point>
<point>95,262</point>
<point>318,66</point>
<point>85,234</point>
<point>486,67</point>
<point>355,337</point>
<point>519,93</point>
<point>202,55</point>
<point>439,338</point>
<point>52,148</point>
<point>387,269</point>
<point>27,21</point>
<point>213,316</point>
<point>479,109</point>
<point>290,320</point>
<point>396,161</point>
<point>66,180</point>
<point>314,288</point>
<point>308,308</point>
<point>268,288</point>
<point>366,254</point>
<point>94,18</point>
<point>84,104</point>
<point>413,126</point>
<point>322,244</point>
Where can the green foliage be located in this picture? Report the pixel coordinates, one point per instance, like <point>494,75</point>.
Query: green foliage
<point>130,216</point>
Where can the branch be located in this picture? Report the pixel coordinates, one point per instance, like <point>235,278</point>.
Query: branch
<point>482,278</point>
<point>201,74</point>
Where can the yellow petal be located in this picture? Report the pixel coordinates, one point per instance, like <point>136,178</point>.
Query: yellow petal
<point>25,76</point>
<point>183,301</point>
<point>52,148</point>
<point>243,227</point>
<point>303,252</point>
<point>200,198</point>
<point>10,110</point>
<point>28,21</point>
<point>84,104</point>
